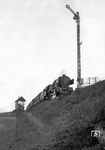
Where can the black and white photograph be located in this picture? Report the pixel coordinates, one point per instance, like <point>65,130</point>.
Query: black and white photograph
<point>52,74</point>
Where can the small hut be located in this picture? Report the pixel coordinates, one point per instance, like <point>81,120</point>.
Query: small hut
<point>19,103</point>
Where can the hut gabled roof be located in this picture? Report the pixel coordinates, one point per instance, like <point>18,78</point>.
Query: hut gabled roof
<point>20,99</point>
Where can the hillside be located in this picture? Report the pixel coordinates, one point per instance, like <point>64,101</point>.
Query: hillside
<point>58,124</point>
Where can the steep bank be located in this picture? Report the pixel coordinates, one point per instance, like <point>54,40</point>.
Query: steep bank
<point>61,124</point>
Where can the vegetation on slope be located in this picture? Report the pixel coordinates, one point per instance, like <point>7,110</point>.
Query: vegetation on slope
<point>61,124</point>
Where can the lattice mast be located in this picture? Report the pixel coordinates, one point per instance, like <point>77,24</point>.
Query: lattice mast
<point>77,18</point>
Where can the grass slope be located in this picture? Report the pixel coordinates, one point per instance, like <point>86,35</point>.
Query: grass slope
<point>58,124</point>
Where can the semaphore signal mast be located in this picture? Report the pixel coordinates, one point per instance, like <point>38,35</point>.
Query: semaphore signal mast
<point>77,18</point>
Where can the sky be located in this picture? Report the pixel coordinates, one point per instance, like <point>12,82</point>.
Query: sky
<point>38,43</point>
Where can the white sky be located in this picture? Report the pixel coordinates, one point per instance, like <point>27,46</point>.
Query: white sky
<point>38,41</point>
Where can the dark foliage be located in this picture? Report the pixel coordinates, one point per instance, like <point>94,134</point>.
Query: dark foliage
<point>58,124</point>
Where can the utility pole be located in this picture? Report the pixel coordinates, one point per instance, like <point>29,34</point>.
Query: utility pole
<point>77,19</point>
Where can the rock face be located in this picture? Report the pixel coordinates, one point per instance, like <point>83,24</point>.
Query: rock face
<point>58,124</point>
